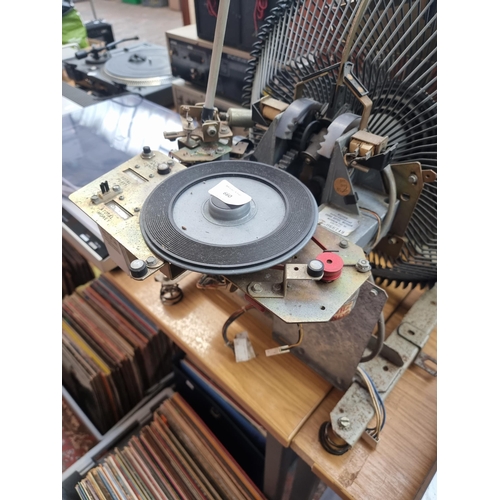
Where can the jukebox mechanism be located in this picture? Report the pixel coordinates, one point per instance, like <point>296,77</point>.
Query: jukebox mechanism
<point>331,196</point>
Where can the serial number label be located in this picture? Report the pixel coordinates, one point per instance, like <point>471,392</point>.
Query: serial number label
<point>337,222</point>
<point>226,192</point>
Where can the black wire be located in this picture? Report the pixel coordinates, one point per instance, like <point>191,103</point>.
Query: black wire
<point>231,320</point>
<point>380,340</point>
<point>328,444</point>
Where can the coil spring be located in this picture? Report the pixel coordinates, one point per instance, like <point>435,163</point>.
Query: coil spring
<point>270,21</point>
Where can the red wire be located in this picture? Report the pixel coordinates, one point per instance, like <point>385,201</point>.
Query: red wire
<point>213,7</point>
<point>259,12</point>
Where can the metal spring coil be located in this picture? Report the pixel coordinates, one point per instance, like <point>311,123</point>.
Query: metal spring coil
<point>271,20</point>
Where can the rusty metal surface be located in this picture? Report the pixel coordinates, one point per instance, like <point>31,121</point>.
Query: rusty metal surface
<point>136,179</point>
<point>356,403</point>
<point>333,349</point>
<point>309,301</point>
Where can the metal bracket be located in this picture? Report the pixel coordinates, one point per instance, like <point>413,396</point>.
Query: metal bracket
<point>291,272</point>
<point>356,402</point>
<point>422,360</point>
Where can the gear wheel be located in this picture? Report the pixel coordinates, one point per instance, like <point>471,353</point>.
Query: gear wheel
<point>287,159</point>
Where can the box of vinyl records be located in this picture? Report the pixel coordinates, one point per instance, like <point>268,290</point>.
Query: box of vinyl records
<point>174,455</point>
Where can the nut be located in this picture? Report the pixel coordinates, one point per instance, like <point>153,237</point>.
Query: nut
<point>363,266</point>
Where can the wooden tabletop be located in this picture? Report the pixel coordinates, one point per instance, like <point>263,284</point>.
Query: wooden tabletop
<point>291,401</point>
<point>280,392</point>
<point>404,461</point>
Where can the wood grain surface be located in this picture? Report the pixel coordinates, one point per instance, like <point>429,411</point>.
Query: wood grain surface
<point>280,392</point>
<point>406,455</point>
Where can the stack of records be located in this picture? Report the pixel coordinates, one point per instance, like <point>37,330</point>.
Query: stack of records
<point>174,457</point>
<point>75,269</point>
<point>112,354</point>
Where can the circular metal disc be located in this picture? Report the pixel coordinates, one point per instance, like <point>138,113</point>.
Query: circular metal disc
<point>140,67</point>
<point>179,226</point>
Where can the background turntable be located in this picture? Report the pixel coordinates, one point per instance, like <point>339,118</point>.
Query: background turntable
<point>142,69</point>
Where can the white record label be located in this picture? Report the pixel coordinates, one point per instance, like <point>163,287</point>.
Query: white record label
<point>227,193</point>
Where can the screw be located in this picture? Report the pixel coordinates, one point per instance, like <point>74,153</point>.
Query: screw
<point>412,179</point>
<point>363,266</point>
<point>343,244</point>
<point>151,261</point>
<point>277,287</point>
<point>170,162</point>
<point>116,188</point>
<point>220,150</point>
<point>94,198</point>
<point>121,197</point>
<point>151,176</point>
<point>392,241</point>
<point>137,166</point>
<point>256,287</point>
<point>344,423</point>
<point>224,129</point>
<point>374,292</point>
<point>137,209</point>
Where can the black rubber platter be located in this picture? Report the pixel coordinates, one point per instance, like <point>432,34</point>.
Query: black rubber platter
<point>287,229</point>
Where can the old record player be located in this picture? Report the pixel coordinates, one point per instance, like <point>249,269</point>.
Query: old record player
<point>106,71</point>
<point>333,196</point>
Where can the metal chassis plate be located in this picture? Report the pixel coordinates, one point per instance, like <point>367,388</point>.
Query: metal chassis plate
<point>333,349</point>
<point>135,179</point>
<point>308,301</point>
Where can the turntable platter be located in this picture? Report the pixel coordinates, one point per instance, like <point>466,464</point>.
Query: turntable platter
<point>144,66</point>
<point>188,221</point>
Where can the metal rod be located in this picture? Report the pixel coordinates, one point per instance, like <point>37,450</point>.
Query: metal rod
<point>220,31</point>
<point>93,10</point>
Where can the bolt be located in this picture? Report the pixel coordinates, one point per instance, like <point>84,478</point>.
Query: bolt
<point>315,268</point>
<point>121,197</point>
<point>392,241</point>
<point>224,130</point>
<point>363,266</point>
<point>343,244</point>
<point>189,119</point>
<point>137,209</point>
<point>344,423</point>
<point>94,198</point>
<point>170,162</point>
<point>151,176</point>
<point>151,261</point>
<point>256,287</point>
<point>277,287</point>
<point>374,292</point>
<point>412,179</point>
<point>211,131</point>
<point>137,166</point>
<point>116,188</point>
<point>220,150</point>
<point>138,268</point>
<point>163,169</point>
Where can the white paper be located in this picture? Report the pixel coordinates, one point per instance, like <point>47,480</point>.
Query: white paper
<point>337,222</point>
<point>226,192</point>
